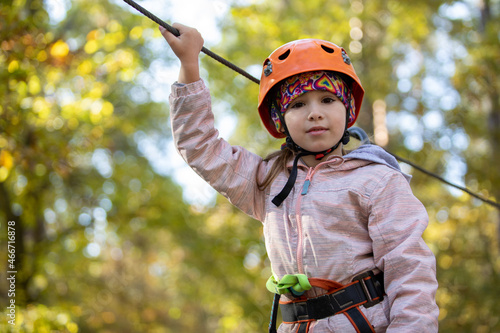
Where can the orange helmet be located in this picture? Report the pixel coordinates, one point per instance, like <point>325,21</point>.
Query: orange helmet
<point>304,55</point>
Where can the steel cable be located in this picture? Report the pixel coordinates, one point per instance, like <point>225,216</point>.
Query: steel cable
<point>253,79</point>
<point>441,179</point>
<point>175,32</point>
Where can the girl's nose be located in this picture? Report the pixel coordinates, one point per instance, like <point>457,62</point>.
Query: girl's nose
<point>315,114</point>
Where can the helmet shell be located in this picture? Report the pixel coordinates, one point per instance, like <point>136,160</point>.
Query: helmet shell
<point>304,55</point>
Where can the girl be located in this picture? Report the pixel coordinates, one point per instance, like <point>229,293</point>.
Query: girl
<point>343,231</point>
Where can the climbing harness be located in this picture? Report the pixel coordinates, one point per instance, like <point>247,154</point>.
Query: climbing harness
<point>268,69</point>
<point>365,290</point>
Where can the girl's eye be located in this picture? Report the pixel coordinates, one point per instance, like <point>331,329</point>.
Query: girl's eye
<point>328,100</point>
<point>297,105</point>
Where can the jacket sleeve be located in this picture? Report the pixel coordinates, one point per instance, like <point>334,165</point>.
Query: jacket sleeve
<point>231,170</point>
<point>396,223</point>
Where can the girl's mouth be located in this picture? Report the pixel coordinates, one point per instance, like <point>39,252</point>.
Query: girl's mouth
<point>317,130</point>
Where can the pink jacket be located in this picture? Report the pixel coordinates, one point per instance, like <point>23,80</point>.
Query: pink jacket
<point>358,214</point>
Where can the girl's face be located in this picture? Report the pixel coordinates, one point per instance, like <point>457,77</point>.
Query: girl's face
<point>316,121</point>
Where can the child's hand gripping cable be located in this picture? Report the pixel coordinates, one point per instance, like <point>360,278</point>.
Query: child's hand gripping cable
<point>187,48</point>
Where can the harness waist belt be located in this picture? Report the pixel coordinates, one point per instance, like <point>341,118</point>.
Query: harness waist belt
<point>367,289</point>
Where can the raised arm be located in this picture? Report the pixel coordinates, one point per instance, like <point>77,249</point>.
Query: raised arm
<point>231,170</point>
<point>187,48</point>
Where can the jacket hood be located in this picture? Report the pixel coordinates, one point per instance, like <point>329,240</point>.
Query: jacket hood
<point>376,154</point>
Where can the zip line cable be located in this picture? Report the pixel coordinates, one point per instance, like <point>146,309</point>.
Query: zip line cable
<point>237,69</point>
<point>464,189</point>
<point>359,134</point>
<point>175,32</point>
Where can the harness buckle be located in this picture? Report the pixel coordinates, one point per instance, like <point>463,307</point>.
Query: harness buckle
<point>367,281</point>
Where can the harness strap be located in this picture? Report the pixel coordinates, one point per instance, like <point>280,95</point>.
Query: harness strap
<point>359,321</point>
<point>304,327</point>
<point>274,314</point>
<point>366,289</point>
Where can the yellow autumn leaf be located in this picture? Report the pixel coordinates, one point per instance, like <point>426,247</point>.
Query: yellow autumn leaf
<point>91,46</point>
<point>107,109</point>
<point>135,33</point>
<point>34,86</point>
<point>85,67</point>
<point>6,159</point>
<point>60,49</point>
<point>42,56</point>
<point>4,173</point>
<point>13,66</point>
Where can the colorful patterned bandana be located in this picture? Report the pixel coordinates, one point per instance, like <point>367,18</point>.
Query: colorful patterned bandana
<point>299,84</point>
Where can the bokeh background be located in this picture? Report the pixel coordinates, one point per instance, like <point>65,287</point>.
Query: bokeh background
<point>115,234</point>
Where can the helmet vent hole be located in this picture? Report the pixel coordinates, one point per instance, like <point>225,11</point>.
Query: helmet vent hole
<point>327,49</point>
<point>284,55</point>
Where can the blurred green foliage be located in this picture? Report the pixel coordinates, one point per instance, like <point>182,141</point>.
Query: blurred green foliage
<point>105,241</point>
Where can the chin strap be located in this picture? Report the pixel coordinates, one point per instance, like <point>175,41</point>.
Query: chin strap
<point>278,200</point>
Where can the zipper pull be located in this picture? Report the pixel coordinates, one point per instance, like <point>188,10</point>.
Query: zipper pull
<point>307,182</point>
<point>306,187</point>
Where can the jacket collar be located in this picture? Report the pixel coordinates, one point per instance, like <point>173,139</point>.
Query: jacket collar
<point>333,161</point>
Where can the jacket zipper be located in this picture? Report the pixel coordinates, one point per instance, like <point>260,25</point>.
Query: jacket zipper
<point>305,188</point>
<point>298,217</point>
